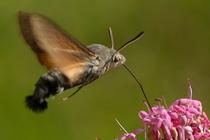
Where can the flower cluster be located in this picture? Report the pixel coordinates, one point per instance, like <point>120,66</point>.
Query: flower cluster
<point>184,119</point>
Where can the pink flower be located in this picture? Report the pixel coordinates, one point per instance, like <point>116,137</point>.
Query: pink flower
<point>184,119</point>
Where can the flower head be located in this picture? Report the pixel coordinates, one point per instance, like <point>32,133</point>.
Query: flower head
<point>184,119</point>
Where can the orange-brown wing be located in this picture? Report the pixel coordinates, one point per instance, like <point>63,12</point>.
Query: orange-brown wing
<point>52,46</point>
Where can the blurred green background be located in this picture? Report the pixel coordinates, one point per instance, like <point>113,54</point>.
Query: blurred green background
<point>176,46</point>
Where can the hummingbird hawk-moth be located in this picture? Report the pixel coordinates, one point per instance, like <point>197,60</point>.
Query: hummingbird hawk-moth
<point>69,62</point>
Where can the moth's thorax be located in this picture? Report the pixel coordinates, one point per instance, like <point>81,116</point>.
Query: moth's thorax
<point>108,57</point>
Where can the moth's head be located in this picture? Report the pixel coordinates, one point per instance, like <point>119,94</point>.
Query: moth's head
<point>117,59</point>
<point>109,57</point>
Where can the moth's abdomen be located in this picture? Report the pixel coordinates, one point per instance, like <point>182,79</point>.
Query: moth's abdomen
<point>48,84</point>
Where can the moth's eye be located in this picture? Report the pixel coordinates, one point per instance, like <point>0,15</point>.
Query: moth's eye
<point>116,59</point>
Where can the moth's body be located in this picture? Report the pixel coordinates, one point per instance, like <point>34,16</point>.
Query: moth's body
<point>57,80</point>
<point>69,62</point>
<point>82,74</point>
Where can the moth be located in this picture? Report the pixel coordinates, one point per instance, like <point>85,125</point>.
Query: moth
<point>69,62</point>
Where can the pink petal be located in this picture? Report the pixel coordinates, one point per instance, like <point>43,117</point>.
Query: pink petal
<point>127,136</point>
<point>166,131</point>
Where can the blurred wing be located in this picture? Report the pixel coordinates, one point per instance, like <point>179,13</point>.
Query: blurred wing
<point>52,46</point>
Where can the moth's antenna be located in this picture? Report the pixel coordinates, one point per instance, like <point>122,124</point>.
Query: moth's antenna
<point>131,41</point>
<point>139,83</point>
<point>111,37</point>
